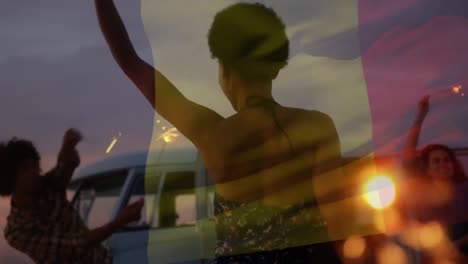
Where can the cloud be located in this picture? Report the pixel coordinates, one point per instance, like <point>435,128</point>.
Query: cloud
<point>326,71</point>
<point>41,98</point>
<point>309,82</point>
<point>61,73</point>
<point>53,28</point>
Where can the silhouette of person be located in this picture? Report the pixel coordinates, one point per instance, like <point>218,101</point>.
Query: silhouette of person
<point>274,167</point>
<point>42,223</point>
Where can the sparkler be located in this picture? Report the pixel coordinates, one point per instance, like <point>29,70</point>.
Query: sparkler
<point>113,142</point>
<point>169,135</point>
<point>456,90</point>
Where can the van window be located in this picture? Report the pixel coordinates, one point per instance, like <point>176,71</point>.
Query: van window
<point>98,198</point>
<point>174,206</point>
<point>177,205</point>
<point>146,185</point>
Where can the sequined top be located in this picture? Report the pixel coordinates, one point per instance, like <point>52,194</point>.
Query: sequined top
<point>254,227</point>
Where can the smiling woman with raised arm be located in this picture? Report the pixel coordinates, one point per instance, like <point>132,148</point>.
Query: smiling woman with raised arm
<point>437,174</point>
<point>273,166</point>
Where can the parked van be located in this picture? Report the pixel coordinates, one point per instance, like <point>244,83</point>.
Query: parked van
<point>177,225</point>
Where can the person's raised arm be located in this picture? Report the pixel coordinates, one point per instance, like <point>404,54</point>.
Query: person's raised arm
<point>113,29</point>
<point>68,160</point>
<point>415,130</point>
<point>189,118</point>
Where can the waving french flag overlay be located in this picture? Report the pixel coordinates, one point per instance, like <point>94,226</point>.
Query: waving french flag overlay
<point>366,63</point>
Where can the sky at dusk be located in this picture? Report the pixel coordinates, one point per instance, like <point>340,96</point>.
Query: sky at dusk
<point>365,63</point>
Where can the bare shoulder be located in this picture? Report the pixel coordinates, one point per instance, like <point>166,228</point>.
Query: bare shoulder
<point>312,119</point>
<point>319,116</point>
<point>308,127</point>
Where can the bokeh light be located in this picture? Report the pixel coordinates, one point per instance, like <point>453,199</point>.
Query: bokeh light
<point>431,235</point>
<point>354,247</point>
<point>391,254</point>
<point>380,192</point>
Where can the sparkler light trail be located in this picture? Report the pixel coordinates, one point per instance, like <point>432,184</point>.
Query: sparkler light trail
<point>113,142</point>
